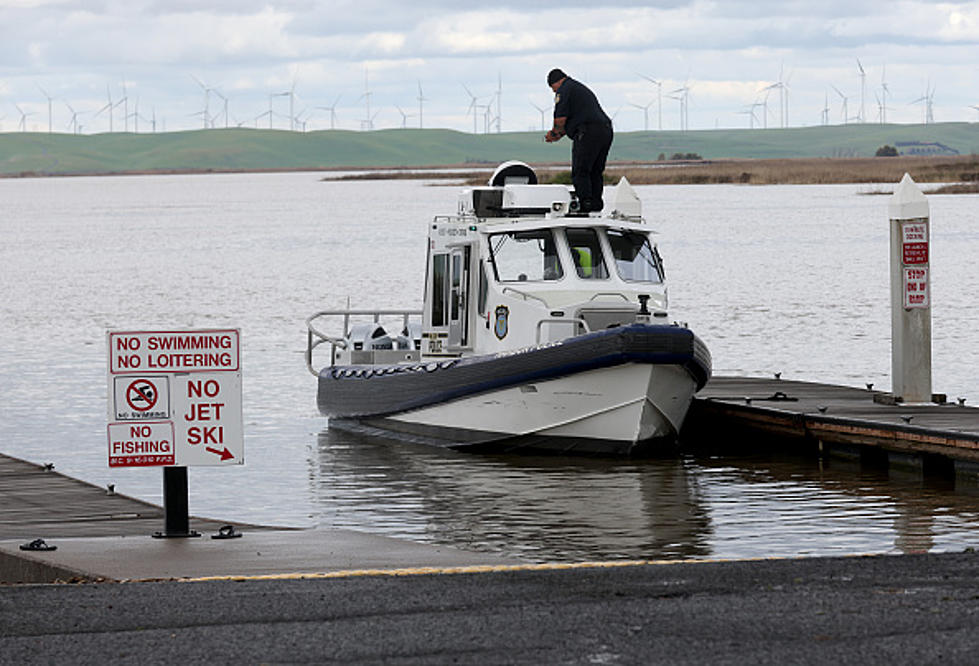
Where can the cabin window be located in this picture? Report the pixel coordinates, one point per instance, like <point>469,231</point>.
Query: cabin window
<point>635,259</point>
<point>483,288</point>
<point>440,289</point>
<point>586,252</point>
<point>522,256</point>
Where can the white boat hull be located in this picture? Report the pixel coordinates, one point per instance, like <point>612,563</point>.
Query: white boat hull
<point>604,410</point>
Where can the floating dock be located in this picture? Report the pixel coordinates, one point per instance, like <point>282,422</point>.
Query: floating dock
<point>840,421</point>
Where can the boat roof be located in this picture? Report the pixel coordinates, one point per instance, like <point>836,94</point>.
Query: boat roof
<point>529,223</point>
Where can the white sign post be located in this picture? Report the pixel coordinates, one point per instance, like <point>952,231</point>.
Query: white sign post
<point>910,289</point>
<point>174,401</point>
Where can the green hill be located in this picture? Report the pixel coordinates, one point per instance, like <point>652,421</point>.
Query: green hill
<point>257,150</point>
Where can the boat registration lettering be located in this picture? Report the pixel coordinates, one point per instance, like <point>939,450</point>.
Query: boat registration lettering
<point>527,350</point>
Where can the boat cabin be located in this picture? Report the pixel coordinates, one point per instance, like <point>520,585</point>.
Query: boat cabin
<point>517,266</point>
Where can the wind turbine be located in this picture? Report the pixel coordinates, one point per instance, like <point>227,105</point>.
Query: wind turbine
<point>784,89</point>
<point>472,106</point>
<point>44,92</point>
<point>764,105</point>
<point>151,119</point>
<point>125,108</point>
<point>291,94</point>
<point>136,117</point>
<point>543,115</point>
<point>333,112</point>
<point>108,107</point>
<point>659,99</point>
<point>750,112</point>
<point>976,107</point>
<point>404,116</point>
<point>499,102</point>
<point>645,113</point>
<point>683,98</point>
<point>73,123</point>
<point>928,99</point>
<point>846,116</point>
<point>206,112</point>
<point>825,112</point>
<point>368,123</point>
<point>883,95</point>
<point>863,91</point>
<point>23,117</point>
<point>265,113</point>
<point>225,108</point>
<point>421,110</point>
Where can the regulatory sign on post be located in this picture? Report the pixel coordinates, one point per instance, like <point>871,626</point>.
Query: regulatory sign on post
<point>914,243</point>
<point>175,398</point>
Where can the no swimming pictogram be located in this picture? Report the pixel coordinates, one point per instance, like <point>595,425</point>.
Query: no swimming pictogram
<point>141,395</point>
<point>141,398</point>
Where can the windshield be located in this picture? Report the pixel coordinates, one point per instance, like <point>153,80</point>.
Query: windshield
<point>525,256</point>
<point>635,259</point>
<point>586,253</point>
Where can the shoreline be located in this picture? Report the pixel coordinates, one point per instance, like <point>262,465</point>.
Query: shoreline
<point>960,173</point>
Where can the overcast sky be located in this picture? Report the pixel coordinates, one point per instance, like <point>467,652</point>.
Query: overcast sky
<point>725,53</point>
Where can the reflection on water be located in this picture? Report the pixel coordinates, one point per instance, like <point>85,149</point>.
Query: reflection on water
<point>688,506</point>
<point>548,507</point>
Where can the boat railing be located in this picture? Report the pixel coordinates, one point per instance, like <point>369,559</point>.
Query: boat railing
<point>571,321</point>
<point>316,337</point>
<point>525,295</point>
<point>616,294</point>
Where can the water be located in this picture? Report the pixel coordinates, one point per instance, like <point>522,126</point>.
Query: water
<point>790,279</point>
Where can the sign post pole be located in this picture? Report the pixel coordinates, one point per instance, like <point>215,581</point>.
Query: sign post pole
<point>910,294</point>
<point>176,514</point>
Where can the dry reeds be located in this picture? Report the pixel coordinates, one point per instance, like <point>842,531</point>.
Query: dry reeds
<point>954,169</point>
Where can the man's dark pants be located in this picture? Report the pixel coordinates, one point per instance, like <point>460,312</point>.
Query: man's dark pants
<point>588,155</point>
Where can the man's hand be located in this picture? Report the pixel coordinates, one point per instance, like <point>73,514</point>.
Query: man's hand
<point>551,136</point>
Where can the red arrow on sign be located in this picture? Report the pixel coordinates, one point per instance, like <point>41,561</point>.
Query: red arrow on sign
<point>225,455</point>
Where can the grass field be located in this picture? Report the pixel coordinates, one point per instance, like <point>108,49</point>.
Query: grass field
<point>39,154</point>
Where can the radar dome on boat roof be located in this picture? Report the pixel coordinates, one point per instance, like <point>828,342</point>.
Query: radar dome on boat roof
<point>513,173</point>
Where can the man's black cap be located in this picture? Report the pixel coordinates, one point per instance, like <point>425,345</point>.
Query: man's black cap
<point>554,76</point>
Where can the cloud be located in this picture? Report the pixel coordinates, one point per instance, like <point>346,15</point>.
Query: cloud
<point>726,49</point>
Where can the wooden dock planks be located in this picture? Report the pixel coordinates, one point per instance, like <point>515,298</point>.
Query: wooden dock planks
<point>36,503</point>
<point>832,414</point>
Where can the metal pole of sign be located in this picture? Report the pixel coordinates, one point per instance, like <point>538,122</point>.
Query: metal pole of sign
<point>176,521</point>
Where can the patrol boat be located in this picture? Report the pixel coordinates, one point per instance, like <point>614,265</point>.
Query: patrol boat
<point>541,328</point>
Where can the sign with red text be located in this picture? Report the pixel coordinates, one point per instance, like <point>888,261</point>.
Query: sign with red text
<point>175,398</point>
<point>145,444</point>
<point>916,287</point>
<point>914,243</point>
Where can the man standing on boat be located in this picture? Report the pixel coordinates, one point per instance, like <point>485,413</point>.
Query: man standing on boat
<point>578,114</point>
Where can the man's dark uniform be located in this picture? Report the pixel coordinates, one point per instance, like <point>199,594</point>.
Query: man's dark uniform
<point>591,131</point>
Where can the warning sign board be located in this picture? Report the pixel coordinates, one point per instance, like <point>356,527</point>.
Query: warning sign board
<point>914,243</point>
<point>173,351</point>
<point>146,444</point>
<point>175,398</point>
<point>916,287</point>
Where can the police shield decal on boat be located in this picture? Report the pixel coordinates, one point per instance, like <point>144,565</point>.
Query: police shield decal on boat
<point>502,313</point>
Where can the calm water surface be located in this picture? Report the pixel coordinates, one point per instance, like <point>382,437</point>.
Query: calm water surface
<point>790,279</point>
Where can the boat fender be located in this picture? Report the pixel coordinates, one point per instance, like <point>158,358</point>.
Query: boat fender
<point>431,367</point>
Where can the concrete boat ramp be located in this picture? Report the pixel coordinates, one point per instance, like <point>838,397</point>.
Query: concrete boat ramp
<point>107,537</point>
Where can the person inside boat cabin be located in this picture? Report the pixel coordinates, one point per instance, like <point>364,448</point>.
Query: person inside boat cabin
<point>578,114</point>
